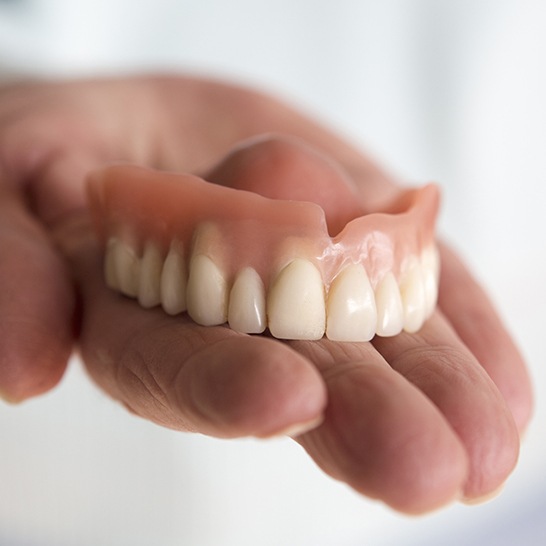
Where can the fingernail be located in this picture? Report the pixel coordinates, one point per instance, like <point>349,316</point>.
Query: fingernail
<point>298,429</point>
<point>473,501</point>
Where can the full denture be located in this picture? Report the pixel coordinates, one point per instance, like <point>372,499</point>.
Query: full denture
<point>228,255</point>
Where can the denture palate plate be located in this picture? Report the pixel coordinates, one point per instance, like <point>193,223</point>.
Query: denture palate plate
<point>227,255</point>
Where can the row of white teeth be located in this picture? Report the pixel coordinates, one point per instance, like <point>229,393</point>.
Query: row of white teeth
<point>297,305</point>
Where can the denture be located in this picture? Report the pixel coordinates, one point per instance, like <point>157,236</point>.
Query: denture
<point>232,256</point>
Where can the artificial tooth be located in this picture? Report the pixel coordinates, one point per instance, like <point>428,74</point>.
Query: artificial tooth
<point>412,291</point>
<point>110,273</point>
<point>206,294</point>
<point>173,280</point>
<point>351,310</point>
<point>295,304</point>
<point>127,268</point>
<point>150,275</point>
<point>246,312</point>
<point>390,313</point>
<point>430,260</point>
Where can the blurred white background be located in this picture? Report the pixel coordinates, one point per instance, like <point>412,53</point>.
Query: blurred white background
<point>451,91</point>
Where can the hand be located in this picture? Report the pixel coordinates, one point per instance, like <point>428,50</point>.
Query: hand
<point>415,420</point>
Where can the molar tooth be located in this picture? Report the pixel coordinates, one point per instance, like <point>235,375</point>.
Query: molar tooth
<point>246,312</point>
<point>351,310</point>
<point>206,294</point>
<point>173,280</point>
<point>126,265</point>
<point>150,275</point>
<point>390,314</point>
<point>430,265</point>
<point>412,291</point>
<point>295,304</point>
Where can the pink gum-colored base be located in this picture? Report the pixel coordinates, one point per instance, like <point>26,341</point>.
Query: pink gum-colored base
<point>237,228</point>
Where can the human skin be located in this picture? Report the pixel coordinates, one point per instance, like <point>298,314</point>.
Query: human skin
<point>415,420</point>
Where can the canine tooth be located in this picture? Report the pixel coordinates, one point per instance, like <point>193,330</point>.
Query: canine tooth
<point>173,281</point>
<point>149,280</point>
<point>206,294</point>
<point>430,261</point>
<point>390,314</point>
<point>351,311</point>
<point>246,312</point>
<point>127,268</point>
<point>295,304</point>
<point>412,291</point>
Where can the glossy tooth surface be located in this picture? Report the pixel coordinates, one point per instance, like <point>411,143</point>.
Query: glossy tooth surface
<point>390,313</point>
<point>174,280</point>
<point>351,310</point>
<point>206,294</point>
<point>149,280</point>
<point>412,291</point>
<point>430,260</point>
<point>295,303</point>
<point>246,312</point>
<point>126,265</point>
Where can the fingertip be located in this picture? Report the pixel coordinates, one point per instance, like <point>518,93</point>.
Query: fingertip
<point>28,369</point>
<point>484,499</point>
<point>36,307</point>
<point>388,442</point>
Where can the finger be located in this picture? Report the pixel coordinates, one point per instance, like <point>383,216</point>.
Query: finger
<point>479,326</point>
<point>381,435</point>
<point>289,169</point>
<point>36,304</point>
<point>440,366</point>
<point>181,375</point>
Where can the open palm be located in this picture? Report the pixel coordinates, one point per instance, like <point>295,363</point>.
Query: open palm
<point>415,420</point>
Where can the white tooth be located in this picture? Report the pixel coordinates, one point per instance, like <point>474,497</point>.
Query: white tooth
<point>412,291</point>
<point>206,294</point>
<point>150,275</point>
<point>351,314</point>
<point>110,274</point>
<point>295,304</point>
<point>246,311</point>
<point>127,268</point>
<point>390,314</point>
<point>173,280</point>
<point>430,261</point>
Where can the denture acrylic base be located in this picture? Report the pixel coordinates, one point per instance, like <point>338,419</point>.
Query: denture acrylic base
<point>231,256</point>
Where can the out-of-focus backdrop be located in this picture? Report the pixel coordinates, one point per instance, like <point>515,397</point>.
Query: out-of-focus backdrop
<point>450,91</point>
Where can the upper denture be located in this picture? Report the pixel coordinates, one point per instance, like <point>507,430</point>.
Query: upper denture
<point>219,232</point>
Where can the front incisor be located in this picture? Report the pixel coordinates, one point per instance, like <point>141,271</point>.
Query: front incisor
<point>351,309</point>
<point>295,304</point>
